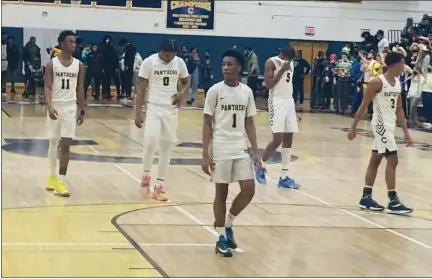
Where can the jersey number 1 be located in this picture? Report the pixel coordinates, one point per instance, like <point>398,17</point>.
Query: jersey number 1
<point>65,84</point>
<point>234,125</point>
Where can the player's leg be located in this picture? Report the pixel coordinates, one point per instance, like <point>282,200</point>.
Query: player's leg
<point>152,129</point>
<point>367,202</point>
<point>53,128</point>
<point>222,176</point>
<point>67,132</point>
<point>243,173</point>
<point>290,128</point>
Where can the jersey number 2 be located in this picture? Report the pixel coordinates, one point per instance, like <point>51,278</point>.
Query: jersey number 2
<point>165,81</point>
<point>234,125</point>
<point>65,84</point>
<point>288,78</point>
<point>393,101</point>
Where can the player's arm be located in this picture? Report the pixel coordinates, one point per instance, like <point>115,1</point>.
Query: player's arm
<point>143,81</point>
<point>373,88</point>
<point>249,123</point>
<point>400,115</point>
<point>80,86</point>
<point>48,82</point>
<point>209,110</point>
<point>184,80</point>
<point>270,78</point>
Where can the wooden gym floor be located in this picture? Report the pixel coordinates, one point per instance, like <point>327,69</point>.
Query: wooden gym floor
<point>106,229</point>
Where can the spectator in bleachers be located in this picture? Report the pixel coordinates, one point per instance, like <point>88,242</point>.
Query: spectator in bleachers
<point>383,43</point>
<point>195,74</point>
<point>110,68</point>
<point>327,84</point>
<point>424,27</point>
<point>356,81</point>
<point>343,87</point>
<point>427,96</point>
<point>370,43</point>
<point>31,51</point>
<point>207,72</point>
<point>253,69</point>
<point>4,62</point>
<point>318,68</point>
<point>94,72</point>
<point>301,69</point>
<point>191,66</point>
<point>409,30</point>
<point>13,58</point>
<point>127,65</point>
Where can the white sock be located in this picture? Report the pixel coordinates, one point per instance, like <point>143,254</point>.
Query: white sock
<point>229,220</point>
<point>220,230</point>
<point>159,182</point>
<point>53,155</point>
<point>61,177</point>
<point>286,159</point>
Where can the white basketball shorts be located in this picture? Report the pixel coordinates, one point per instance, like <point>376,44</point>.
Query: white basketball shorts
<point>232,170</point>
<point>384,139</point>
<point>161,123</point>
<point>65,124</point>
<point>282,114</point>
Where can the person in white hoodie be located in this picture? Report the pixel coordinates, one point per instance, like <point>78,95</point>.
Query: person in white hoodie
<point>427,97</point>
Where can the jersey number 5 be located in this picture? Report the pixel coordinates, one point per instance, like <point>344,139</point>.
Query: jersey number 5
<point>288,78</point>
<point>165,81</point>
<point>65,84</point>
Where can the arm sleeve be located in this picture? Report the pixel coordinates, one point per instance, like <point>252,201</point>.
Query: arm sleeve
<point>210,102</point>
<point>145,69</point>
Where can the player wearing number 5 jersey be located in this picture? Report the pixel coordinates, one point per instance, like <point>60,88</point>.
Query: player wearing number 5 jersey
<point>283,119</point>
<point>64,80</point>
<point>158,83</point>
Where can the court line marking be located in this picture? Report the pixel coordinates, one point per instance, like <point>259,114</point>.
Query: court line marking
<point>181,210</point>
<point>424,245</point>
<point>88,244</point>
<point>93,149</point>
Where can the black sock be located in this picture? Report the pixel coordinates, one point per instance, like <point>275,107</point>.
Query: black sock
<point>367,191</point>
<point>392,195</point>
<point>62,171</point>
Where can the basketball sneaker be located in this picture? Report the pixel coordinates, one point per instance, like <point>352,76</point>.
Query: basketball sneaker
<point>145,186</point>
<point>222,248</point>
<point>287,182</point>
<point>370,204</point>
<point>61,190</point>
<point>230,238</point>
<point>52,181</point>
<point>260,174</point>
<point>396,207</point>
<point>159,194</point>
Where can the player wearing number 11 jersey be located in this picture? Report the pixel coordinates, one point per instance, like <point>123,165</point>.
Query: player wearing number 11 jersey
<point>158,87</point>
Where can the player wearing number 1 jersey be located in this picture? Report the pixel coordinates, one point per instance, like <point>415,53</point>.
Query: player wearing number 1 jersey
<point>158,80</point>
<point>385,93</point>
<point>283,119</point>
<point>64,78</point>
<point>228,115</point>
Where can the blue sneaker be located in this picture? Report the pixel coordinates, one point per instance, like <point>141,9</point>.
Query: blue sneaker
<point>260,175</point>
<point>287,182</point>
<point>222,248</point>
<point>230,238</point>
<point>370,204</point>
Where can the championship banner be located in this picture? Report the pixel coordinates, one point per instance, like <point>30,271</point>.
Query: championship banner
<point>197,15</point>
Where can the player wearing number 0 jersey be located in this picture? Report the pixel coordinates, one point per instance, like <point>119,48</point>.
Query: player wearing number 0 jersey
<point>228,116</point>
<point>64,78</point>
<point>283,119</point>
<point>385,93</point>
<point>158,80</point>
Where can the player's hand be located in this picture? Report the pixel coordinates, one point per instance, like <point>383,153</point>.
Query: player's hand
<point>139,120</point>
<point>257,161</point>
<point>177,99</point>
<point>207,165</point>
<point>53,114</point>
<point>286,66</point>
<point>408,140</point>
<point>80,119</point>
<point>352,133</point>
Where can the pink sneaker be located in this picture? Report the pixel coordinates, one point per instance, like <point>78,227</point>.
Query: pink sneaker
<point>145,186</point>
<point>159,194</point>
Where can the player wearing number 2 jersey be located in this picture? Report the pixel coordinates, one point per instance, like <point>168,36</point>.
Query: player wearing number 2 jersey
<point>228,115</point>
<point>158,80</point>
<point>283,119</point>
<point>385,93</point>
<point>64,78</point>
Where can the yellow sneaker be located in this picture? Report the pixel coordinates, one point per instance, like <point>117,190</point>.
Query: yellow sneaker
<point>52,181</point>
<point>61,190</point>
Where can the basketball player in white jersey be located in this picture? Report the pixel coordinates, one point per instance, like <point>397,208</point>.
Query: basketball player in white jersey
<point>64,78</point>
<point>228,115</point>
<point>283,119</point>
<point>385,93</point>
<point>158,79</point>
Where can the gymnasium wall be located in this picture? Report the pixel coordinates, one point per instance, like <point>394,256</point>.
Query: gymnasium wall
<point>332,20</point>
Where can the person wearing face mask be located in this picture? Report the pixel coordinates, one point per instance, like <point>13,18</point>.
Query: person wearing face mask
<point>31,51</point>
<point>207,73</point>
<point>252,69</point>
<point>343,87</point>
<point>316,81</point>
<point>383,43</point>
<point>301,69</point>
<point>94,72</point>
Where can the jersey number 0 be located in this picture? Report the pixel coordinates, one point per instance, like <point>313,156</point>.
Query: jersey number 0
<point>65,84</point>
<point>165,81</point>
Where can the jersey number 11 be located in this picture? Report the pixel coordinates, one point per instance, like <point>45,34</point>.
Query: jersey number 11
<point>65,84</point>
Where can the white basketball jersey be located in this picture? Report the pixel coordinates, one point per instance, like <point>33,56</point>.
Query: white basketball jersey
<point>385,103</point>
<point>65,82</point>
<point>163,78</point>
<point>284,87</point>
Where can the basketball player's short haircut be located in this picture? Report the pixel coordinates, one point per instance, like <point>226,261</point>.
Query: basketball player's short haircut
<point>169,46</point>
<point>65,34</point>
<point>288,52</point>
<point>235,54</point>
<point>393,58</point>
